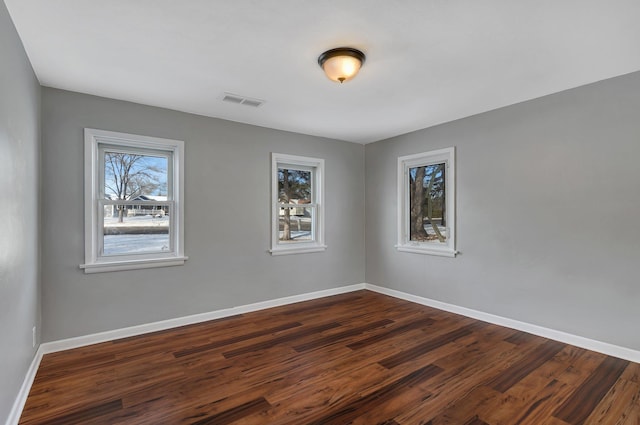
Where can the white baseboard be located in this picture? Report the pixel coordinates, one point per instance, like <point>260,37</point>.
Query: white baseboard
<point>21,399</point>
<point>578,341</point>
<point>82,341</point>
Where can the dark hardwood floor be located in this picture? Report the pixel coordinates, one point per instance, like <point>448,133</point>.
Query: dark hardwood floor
<point>357,358</point>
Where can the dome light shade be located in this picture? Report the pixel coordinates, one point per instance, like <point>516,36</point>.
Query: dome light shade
<point>341,64</point>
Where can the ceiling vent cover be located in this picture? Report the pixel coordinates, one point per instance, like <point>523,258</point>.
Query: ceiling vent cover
<point>242,100</point>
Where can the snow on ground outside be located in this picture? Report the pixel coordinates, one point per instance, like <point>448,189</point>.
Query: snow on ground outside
<point>136,244</point>
<point>145,243</point>
<point>139,220</point>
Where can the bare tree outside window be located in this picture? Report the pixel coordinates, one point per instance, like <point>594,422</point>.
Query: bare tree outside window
<point>128,176</point>
<point>294,188</point>
<point>427,212</point>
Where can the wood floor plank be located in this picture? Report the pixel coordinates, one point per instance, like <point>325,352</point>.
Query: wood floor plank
<point>465,409</point>
<point>632,373</point>
<point>584,400</point>
<point>539,393</point>
<point>420,323</point>
<point>236,339</point>
<point>396,404</point>
<point>292,336</point>
<point>580,367</point>
<point>631,417</point>
<point>346,414</point>
<point>323,393</point>
<point>425,347</point>
<point>236,413</point>
<point>553,421</point>
<point>84,416</point>
<point>361,358</point>
<point>616,403</point>
<point>461,377</point>
<point>519,338</point>
<point>528,406</point>
<point>535,359</point>
<point>333,338</point>
<point>475,421</point>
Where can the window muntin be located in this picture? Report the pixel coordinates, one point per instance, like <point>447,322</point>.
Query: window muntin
<point>297,204</point>
<point>133,213</point>
<point>426,196</point>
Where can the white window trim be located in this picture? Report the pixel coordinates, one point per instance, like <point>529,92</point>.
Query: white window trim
<point>317,184</point>
<point>94,263</point>
<point>427,158</point>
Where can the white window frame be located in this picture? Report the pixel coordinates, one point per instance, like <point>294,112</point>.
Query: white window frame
<point>94,143</point>
<point>446,156</point>
<point>316,166</point>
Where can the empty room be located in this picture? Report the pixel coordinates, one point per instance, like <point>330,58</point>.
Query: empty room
<point>300,212</point>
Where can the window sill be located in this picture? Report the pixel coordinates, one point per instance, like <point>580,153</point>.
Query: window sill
<point>132,265</point>
<point>427,251</point>
<point>298,250</point>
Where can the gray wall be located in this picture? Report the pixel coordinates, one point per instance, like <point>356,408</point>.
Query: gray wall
<point>227,219</point>
<point>19,149</point>
<point>548,203</point>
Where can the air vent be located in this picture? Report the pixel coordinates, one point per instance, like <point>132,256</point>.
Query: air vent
<point>251,102</point>
<point>242,100</point>
<point>232,99</point>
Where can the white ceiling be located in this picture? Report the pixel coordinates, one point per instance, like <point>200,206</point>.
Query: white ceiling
<point>428,61</point>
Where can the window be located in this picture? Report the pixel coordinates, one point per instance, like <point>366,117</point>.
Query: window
<point>133,202</point>
<point>297,204</point>
<point>426,203</point>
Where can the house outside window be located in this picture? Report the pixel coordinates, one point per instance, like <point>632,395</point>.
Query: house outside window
<point>133,201</point>
<point>297,204</point>
<point>426,203</point>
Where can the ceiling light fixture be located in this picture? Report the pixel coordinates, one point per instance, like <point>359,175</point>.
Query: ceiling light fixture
<point>341,64</point>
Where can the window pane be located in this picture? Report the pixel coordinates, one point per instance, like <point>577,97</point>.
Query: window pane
<point>136,229</point>
<point>295,224</point>
<point>427,193</point>
<point>132,177</point>
<point>294,186</point>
